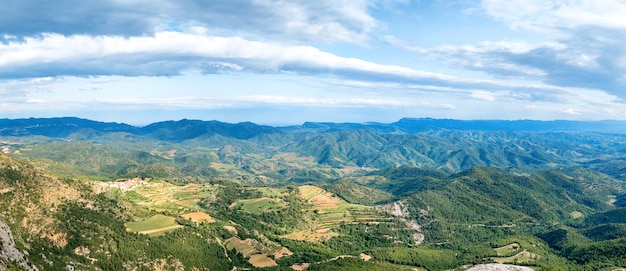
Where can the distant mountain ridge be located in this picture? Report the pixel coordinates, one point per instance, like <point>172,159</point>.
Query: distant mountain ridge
<point>188,129</point>
<point>169,148</point>
<point>58,127</point>
<point>418,125</point>
<point>166,130</point>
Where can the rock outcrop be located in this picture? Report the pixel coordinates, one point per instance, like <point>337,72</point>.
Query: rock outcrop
<point>9,253</point>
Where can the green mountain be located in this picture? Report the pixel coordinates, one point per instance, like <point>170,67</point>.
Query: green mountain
<point>415,194</point>
<point>518,146</point>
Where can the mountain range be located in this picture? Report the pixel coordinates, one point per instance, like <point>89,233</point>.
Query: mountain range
<point>422,194</point>
<point>188,129</point>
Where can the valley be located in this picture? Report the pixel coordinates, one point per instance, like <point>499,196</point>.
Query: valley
<point>419,194</point>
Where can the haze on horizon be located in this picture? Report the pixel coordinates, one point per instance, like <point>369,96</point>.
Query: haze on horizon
<point>286,62</point>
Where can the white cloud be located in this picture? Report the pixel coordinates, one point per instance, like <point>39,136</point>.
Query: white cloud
<point>169,53</point>
<point>551,15</point>
<point>586,59</point>
<point>321,21</point>
<point>570,111</point>
<point>484,95</point>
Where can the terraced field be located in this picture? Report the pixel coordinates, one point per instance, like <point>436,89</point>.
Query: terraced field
<point>332,211</point>
<point>163,196</point>
<point>308,192</point>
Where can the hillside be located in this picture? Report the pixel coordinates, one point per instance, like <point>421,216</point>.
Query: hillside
<point>416,194</point>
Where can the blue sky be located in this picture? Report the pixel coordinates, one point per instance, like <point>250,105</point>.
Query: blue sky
<point>286,62</point>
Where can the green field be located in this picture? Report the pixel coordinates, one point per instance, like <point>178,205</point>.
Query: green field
<point>307,192</point>
<point>241,246</point>
<point>162,196</point>
<point>508,250</point>
<point>260,205</point>
<point>154,225</point>
<point>190,204</point>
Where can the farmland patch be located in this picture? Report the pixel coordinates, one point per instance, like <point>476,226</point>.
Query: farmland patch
<point>261,260</point>
<point>154,225</point>
<point>199,217</point>
<point>260,205</point>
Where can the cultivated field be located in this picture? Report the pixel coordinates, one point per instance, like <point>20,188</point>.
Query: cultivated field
<point>260,205</point>
<point>507,250</point>
<point>332,211</point>
<point>511,254</point>
<point>154,225</point>
<point>245,247</point>
<point>261,260</point>
<point>523,257</point>
<point>199,217</point>
<point>163,196</point>
<point>307,192</point>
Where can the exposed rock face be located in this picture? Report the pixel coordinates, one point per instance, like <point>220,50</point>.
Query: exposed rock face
<point>8,251</point>
<point>401,210</point>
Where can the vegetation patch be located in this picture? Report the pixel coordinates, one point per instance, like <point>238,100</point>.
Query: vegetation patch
<point>153,225</point>
<point>326,201</point>
<point>319,235</point>
<point>244,247</point>
<point>191,204</point>
<point>350,190</point>
<point>163,196</point>
<point>260,205</point>
<point>332,212</point>
<point>308,192</point>
<point>576,214</point>
<point>523,257</point>
<point>507,250</point>
<point>231,229</point>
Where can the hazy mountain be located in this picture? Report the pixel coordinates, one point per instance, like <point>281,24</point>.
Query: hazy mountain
<point>168,148</point>
<point>58,127</point>
<point>188,129</point>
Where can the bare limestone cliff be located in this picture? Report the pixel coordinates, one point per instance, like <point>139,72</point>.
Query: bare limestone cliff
<point>9,253</point>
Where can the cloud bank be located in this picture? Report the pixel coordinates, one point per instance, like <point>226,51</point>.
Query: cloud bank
<point>574,66</point>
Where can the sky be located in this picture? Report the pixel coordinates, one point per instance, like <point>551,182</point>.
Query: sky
<point>282,62</point>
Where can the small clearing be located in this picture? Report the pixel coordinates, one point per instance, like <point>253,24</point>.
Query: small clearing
<point>161,230</point>
<point>326,201</point>
<point>301,267</point>
<point>191,203</point>
<point>199,217</point>
<point>508,249</point>
<point>283,252</point>
<point>311,236</point>
<point>261,261</point>
<point>242,246</point>
<point>260,205</point>
<point>576,214</point>
<point>523,257</point>
<point>307,192</point>
<point>231,229</point>
<point>154,224</point>
<point>611,201</point>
